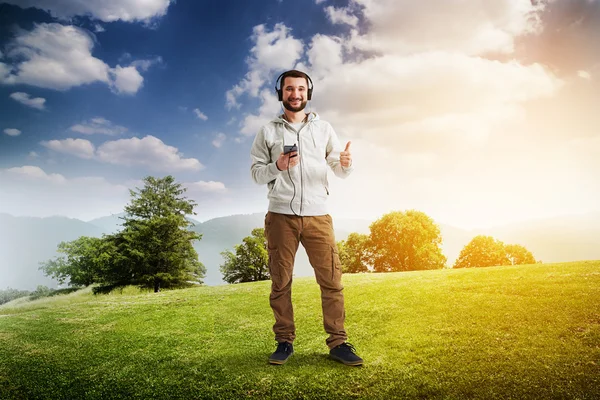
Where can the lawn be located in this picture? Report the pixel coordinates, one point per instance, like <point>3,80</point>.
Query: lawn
<point>520,332</point>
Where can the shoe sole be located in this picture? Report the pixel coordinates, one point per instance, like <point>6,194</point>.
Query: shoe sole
<point>350,363</point>
<point>279,362</point>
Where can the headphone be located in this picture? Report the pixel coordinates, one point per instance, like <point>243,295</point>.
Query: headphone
<point>280,90</point>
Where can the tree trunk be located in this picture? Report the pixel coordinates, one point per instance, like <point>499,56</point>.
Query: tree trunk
<point>156,286</point>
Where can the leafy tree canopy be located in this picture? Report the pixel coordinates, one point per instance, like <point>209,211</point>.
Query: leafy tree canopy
<point>406,241</point>
<point>250,263</point>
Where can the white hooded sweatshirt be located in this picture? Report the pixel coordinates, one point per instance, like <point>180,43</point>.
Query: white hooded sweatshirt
<point>302,190</point>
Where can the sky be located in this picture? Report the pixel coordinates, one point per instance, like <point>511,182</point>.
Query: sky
<point>477,113</point>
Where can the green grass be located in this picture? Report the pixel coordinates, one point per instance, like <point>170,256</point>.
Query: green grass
<point>526,332</point>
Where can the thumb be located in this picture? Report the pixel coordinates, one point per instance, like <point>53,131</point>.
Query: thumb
<point>347,146</point>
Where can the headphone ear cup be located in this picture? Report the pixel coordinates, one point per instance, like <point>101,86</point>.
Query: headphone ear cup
<point>309,95</point>
<point>280,94</point>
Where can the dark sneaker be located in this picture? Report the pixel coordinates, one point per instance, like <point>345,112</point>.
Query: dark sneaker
<point>346,354</point>
<point>283,352</point>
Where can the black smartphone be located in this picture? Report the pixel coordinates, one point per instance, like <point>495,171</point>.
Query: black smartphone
<point>289,149</point>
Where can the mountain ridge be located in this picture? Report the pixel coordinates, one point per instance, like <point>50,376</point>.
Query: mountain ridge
<point>26,241</point>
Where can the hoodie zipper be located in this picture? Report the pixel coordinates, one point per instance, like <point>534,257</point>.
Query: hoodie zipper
<point>301,180</point>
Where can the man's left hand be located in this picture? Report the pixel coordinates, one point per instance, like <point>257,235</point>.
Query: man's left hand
<point>346,156</point>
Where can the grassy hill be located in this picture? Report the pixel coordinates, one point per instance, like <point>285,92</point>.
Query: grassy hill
<point>526,332</point>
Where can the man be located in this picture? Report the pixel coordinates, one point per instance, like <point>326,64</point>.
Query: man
<point>298,190</point>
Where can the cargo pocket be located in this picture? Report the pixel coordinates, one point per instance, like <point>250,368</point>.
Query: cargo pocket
<point>336,265</point>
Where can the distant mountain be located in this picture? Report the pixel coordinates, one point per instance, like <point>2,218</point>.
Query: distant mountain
<point>25,241</point>
<point>114,222</point>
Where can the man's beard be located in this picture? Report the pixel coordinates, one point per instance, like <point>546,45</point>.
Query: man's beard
<point>289,107</point>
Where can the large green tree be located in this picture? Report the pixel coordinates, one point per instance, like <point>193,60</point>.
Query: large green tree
<point>482,251</point>
<point>518,254</point>
<point>406,241</point>
<point>154,249</point>
<point>250,262</point>
<point>355,253</point>
<point>156,243</point>
<point>81,262</point>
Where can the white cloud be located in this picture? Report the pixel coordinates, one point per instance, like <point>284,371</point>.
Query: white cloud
<point>341,16</point>
<point>267,111</point>
<point>428,92</point>
<point>33,154</point>
<point>32,172</point>
<point>56,57</point>
<point>31,191</point>
<point>275,50</point>
<point>77,147</point>
<point>219,140</point>
<point>126,80</point>
<point>98,28</point>
<point>98,125</point>
<point>200,114</point>
<point>324,55</point>
<point>405,26</point>
<point>26,99</point>
<point>107,11</point>
<point>148,151</point>
<point>12,132</point>
<point>59,57</point>
<point>584,75</point>
<point>319,1</point>
<point>206,187</point>
<point>145,64</point>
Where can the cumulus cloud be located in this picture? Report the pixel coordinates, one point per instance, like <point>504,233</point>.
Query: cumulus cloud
<point>77,147</point>
<point>55,56</point>
<point>324,55</point>
<point>126,80</point>
<point>35,173</point>
<point>397,26</point>
<point>275,50</point>
<point>207,187</point>
<point>51,194</point>
<point>98,125</point>
<point>341,16</point>
<point>26,99</point>
<point>107,11</point>
<point>59,57</point>
<point>268,109</point>
<point>149,151</point>
<point>12,132</point>
<point>219,140</point>
<point>200,114</point>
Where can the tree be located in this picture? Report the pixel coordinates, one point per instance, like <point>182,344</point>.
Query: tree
<point>406,242</point>
<point>155,244</point>
<point>250,263</point>
<point>12,294</point>
<point>355,253</point>
<point>82,261</point>
<point>518,254</point>
<point>154,248</point>
<point>482,251</point>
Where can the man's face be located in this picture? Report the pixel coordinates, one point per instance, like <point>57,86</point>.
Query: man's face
<point>295,91</point>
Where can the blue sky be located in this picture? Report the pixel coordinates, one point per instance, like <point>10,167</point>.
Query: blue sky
<point>477,114</point>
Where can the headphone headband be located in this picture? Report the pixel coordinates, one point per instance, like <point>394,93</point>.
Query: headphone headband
<point>305,75</point>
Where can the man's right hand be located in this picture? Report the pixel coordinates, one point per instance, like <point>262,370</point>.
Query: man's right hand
<point>289,160</point>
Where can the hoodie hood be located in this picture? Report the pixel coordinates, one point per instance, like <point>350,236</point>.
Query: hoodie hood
<point>312,116</point>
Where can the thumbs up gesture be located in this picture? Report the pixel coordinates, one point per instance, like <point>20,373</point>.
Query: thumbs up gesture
<point>346,156</point>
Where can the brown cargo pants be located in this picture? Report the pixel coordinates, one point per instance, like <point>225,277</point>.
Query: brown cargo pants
<point>284,233</point>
